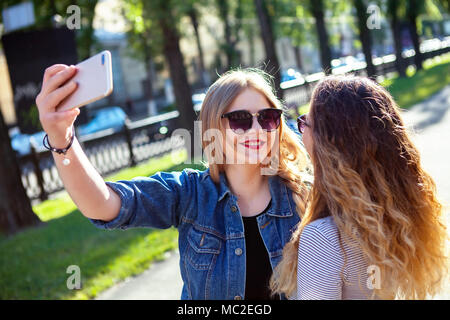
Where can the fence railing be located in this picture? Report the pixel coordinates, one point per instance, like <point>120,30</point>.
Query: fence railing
<point>301,94</point>
<point>109,150</point>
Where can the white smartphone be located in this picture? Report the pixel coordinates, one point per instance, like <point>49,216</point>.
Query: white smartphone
<point>95,81</point>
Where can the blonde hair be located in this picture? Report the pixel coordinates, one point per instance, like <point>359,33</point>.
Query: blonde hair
<point>220,95</point>
<point>368,177</point>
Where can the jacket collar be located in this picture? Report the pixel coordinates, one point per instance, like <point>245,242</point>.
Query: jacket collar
<point>282,203</point>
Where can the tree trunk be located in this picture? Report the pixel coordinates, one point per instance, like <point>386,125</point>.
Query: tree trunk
<point>15,207</point>
<point>194,21</point>
<point>365,36</point>
<point>87,34</point>
<point>174,58</point>
<point>298,58</point>
<point>325,51</point>
<point>272,64</point>
<point>251,44</point>
<point>148,82</point>
<point>399,62</point>
<point>418,58</point>
<point>228,45</point>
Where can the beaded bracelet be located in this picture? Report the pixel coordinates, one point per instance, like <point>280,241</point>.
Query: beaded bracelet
<point>47,145</point>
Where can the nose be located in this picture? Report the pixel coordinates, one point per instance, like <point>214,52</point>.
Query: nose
<point>255,124</point>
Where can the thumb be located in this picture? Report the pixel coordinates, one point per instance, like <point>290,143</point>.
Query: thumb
<point>75,111</point>
<point>72,113</point>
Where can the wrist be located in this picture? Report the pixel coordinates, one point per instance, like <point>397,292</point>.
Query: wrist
<point>61,141</point>
<point>59,144</point>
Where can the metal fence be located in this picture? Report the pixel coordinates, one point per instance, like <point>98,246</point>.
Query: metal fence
<point>141,140</point>
<point>108,151</point>
<point>301,94</point>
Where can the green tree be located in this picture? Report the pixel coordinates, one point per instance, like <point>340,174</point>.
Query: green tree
<point>317,9</point>
<point>85,36</point>
<point>445,4</point>
<point>364,34</point>
<point>143,38</point>
<point>230,13</point>
<point>250,28</point>
<point>394,15</point>
<point>193,14</point>
<point>46,10</point>
<point>167,14</point>
<point>272,64</point>
<point>15,208</point>
<point>292,22</point>
<point>413,9</point>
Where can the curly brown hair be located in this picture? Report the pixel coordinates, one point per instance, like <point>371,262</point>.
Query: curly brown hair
<point>368,177</point>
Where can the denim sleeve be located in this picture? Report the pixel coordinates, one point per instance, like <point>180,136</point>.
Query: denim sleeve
<point>157,201</point>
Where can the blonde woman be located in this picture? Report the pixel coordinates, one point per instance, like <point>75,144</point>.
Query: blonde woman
<point>233,218</point>
<point>373,226</point>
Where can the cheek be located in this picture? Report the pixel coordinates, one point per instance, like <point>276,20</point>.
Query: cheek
<point>307,141</point>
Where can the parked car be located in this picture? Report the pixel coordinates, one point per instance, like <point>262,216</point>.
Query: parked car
<point>106,118</point>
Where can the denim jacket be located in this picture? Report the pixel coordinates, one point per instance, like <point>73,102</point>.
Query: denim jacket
<point>211,233</point>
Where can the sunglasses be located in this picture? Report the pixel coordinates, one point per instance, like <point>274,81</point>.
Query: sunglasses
<point>242,120</point>
<point>302,123</point>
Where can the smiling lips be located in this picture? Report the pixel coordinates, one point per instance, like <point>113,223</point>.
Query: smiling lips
<point>253,144</point>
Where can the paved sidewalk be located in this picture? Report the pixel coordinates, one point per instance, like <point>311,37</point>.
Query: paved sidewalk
<point>431,122</point>
<point>162,281</point>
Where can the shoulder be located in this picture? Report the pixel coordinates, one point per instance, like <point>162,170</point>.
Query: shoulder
<point>187,175</point>
<point>321,233</point>
<point>320,261</point>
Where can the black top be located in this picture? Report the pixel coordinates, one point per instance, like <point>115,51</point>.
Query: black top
<point>258,265</point>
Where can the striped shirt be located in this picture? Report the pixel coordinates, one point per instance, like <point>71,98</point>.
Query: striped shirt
<point>321,273</point>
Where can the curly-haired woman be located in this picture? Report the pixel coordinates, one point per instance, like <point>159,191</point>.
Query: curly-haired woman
<point>373,226</point>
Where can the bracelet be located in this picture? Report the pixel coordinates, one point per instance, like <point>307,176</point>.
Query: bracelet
<point>47,145</point>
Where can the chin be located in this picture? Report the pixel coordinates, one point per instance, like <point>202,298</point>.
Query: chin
<point>252,158</point>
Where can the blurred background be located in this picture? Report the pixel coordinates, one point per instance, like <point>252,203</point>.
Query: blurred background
<point>165,54</point>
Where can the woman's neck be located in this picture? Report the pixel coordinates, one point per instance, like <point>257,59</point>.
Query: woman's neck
<point>245,180</point>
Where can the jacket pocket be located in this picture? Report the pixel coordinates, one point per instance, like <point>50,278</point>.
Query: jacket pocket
<point>202,249</point>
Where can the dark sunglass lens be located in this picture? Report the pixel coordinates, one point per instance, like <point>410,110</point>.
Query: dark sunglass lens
<point>269,119</point>
<point>301,123</point>
<point>240,120</point>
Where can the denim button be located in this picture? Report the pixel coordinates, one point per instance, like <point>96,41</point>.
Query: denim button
<point>233,208</point>
<point>238,298</point>
<point>238,251</point>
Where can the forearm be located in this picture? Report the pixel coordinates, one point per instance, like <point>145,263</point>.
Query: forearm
<point>85,185</point>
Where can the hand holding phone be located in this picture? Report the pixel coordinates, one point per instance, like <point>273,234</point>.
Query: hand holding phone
<point>94,79</point>
<point>60,97</point>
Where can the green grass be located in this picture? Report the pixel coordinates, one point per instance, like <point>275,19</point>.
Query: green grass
<point>34,261</point>
<point>63,205</point>
<point>422,84</point>
<point>417,86</point>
